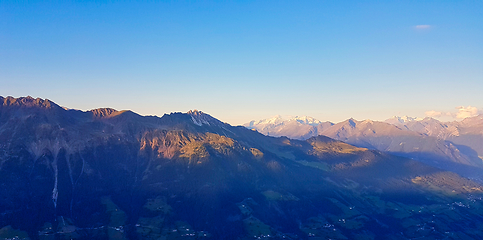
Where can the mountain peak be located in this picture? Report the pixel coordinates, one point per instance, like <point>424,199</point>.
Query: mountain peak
<point>428,119</point>
<point>279,120</point>
<point>352,122</point>
<point>195,112</point>
<point>275,120</point>
<point>200,118</point>
<point>298,127</point>
<point>102,112</point>
<point>27,102</point>
<point>306,120</point>
<point>473,120</point>
<point>402,120</point>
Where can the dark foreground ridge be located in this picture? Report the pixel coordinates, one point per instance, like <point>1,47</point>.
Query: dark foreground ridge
<point>108,174</point>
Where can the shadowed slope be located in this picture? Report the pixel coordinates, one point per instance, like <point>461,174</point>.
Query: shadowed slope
<point>109,174</point>
<point>450,146</point>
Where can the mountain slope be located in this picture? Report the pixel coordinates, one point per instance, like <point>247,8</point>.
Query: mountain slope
<point>389,138</point>
<point>296,128</point>
<point>449,146</point>
<point>107,174</point>
<point>467,133</point>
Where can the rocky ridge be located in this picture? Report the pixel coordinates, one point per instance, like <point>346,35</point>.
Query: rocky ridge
<point>454,146</point>
<point>108,174</point>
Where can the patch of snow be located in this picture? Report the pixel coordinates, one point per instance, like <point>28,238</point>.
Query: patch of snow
<point>200,118</point>
<point>404,119</point>
<point>196,121</point>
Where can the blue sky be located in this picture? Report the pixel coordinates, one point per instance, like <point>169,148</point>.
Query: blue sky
<point>245,60</point>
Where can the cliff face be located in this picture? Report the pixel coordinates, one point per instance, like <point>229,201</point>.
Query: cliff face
<point>106,174</point>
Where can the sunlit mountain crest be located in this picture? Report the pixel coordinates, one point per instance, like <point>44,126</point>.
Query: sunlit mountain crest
<point>306,120</point>
<point>401,120</point>
<point>441,144</point>
<point>27,102</point>
<point>473,121</point>
<point>294,127</point>
<point>279,120</point>
<point>107,174</point>
<point>103,112</point>
<point>275,120</point>
<point>200,118</point>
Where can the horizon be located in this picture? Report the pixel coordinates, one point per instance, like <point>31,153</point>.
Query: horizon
<point>244,60</point>
<point>453,118</point>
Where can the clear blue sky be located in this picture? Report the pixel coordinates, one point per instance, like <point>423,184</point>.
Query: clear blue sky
<point>244,60</point>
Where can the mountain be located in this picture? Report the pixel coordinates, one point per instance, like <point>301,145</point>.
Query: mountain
<point>467,133</point>
<point>428,127</point>
<point>109,174</point>
<point>296,127</point>
<point>389,138</point>
<point>396,120</point>
<point>454,146</point>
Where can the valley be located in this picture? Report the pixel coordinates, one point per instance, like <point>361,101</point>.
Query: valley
<point>453,146</point>
<point>107,174</point>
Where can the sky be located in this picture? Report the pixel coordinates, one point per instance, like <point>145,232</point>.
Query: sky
<point>248,60</point>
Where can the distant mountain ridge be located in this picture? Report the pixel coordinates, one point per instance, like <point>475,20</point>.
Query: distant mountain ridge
<point>295,127</point>
<point>27,102</point>
<point>401,120</point>
<point>279,120</point>
<point>109,174</point>
<point>449,145</point>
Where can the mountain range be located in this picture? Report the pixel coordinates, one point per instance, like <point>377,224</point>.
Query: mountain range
<point>108,174</point>
<point>455,146</point>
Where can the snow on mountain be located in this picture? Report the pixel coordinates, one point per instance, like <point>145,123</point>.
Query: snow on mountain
<point>428,140</point>
<point>298,127</point>
<point>306,120</point>
<point>279,120</point>
<point>426,126</point>
<point>116,174</point>
<point>274,121</point>
<point>402,120</point>
<point>200,118</point>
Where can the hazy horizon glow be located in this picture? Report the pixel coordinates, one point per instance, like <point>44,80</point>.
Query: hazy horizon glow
<point>247,60</point>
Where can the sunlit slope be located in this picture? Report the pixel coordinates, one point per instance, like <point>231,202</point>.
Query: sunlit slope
<point>107,174</point>
<point>453,146</point>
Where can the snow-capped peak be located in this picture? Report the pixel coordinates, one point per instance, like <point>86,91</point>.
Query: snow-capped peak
<point>402,120</point>
<point>200,118</point>
<point>275,120</point>
<point>306,120</point>
<point>279,120</point>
